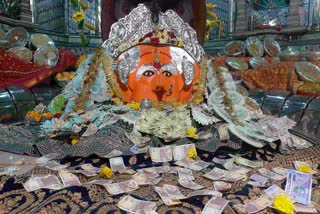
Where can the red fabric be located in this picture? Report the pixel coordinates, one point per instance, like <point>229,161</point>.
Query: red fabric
<point>16,72</point>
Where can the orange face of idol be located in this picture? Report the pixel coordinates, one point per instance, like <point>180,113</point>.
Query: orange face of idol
<point>158,73</point>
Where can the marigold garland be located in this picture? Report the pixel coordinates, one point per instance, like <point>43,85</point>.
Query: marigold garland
<point>191,132</point>
<point>284,204</point>
<point>106,172</point>
<point>75,140</point>
<point>134,106</point>
<point>304,168</point>
<point>192,153</point>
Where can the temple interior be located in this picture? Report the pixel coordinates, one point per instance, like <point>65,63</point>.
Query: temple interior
<point>159,106</point>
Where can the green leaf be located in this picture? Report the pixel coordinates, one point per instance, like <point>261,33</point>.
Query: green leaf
<point>81,24</point>
<point>74,4</point>
<point>84,40</point>
<point>56,105</point>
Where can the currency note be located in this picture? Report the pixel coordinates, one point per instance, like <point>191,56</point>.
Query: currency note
<point>143,179</point>
<point>92,128</point>
<point>215,174</point>
<point>188,183</point>
<point>161,154</point>
<point>8,170</point>
<point>255,184</point>
<point>299,208</point>
<point>260,179</point>
<point>297,164</point>
<point>160,169</point>
<point>69,179</point>
<point>180,152</point>
<point>103,183</point>
<point>149,174</point>
<point>127,171</point>
<point>185,173</point>
<point>269,174</point>
<point>54,165</point>
<point>89,167</point>
<point>165,197</point>
<point>300,186</point>
<point>122,187</point>
<point>274,190</point>
<point>85,173</point>
<point>233,176</point>
<point>223,132</point>
<point>185,162</point>
<point>222,161</point>
<point>280,170</point>
<point>261,203</point>
<point>173,192</point>
<point>215,206</point>
<point>204,192</point>
<point>249,163</point>
<point>133,205</point>
<point>39,182</point>
<point>44,159</point>
<point>198,165</point>
<point>117,164</point>
<point>233,167</point>
<point>222,186</point>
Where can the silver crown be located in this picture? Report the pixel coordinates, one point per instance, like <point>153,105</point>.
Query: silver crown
<point>138,23</point>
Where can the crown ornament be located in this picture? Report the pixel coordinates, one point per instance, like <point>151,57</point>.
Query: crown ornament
<point>138,28</point>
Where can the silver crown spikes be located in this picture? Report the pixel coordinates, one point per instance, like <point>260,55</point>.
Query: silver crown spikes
<point>138,23</point>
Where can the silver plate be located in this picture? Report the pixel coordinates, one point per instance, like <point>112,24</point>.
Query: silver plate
<point>234,48</point>
<point>272,47</point>
<point>22,53</point>
<point>236,63</point>
<point>313,56</point>
<point>254,46</point>
<point>308,71</point>
<point>257,62</point>
<point>17,36</point>
<point>38,40</point>
<point>47,56</point>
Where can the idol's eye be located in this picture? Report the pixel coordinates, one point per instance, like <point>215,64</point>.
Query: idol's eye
<point>148,73</point>
<point>166,73</point>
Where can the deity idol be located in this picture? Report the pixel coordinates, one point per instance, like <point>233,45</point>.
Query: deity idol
<point>153,74</point>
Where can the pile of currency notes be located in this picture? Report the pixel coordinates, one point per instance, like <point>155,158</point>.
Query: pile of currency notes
<point>173,161</point>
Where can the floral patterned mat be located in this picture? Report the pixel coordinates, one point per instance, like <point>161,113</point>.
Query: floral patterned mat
<point>95,199</point>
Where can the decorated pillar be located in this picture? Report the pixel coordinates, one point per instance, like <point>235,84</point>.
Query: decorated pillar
<point>241,24</point>
<point>293,17</point>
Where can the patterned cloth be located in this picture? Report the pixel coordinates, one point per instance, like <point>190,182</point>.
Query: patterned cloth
<point>95,199</point>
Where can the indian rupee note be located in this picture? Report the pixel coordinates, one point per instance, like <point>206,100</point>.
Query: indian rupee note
<point>122,187</point>
<point>249,163</point>
<point>215,206</point>
<point>188,183</point>
<point>180,152</point>
<point>133,205</point>
<point>269,174</point>
<point>173,192</point>
<point>161,154</point>
<point>211,192</point>
<point>165,197</point>
<point>69,179</point>
<point>117,164</point>
<point>222,186</point>
<point>260,204</point>
<point>301,187</point>
<point>215,174</point>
